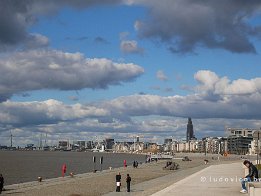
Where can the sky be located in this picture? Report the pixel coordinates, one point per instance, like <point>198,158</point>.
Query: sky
<point>82,70</point>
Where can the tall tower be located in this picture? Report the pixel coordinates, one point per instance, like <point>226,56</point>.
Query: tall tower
<point>190,132</point>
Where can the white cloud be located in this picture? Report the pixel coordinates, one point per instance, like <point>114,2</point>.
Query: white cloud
<point>53,69</point>
<point>210,82</point>
<point>149,115</point>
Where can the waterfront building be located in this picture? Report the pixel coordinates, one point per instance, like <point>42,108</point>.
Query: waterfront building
<point>241,131</point>
<point>240,140</point>
<point>63,144</point>
<point>256,143</point>
<point>109,142</point>
<point>239,144</point>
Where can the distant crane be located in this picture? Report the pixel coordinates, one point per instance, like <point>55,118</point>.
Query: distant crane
<point>11,139</point>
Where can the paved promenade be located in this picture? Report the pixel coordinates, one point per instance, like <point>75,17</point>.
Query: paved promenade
<point>216,180</point>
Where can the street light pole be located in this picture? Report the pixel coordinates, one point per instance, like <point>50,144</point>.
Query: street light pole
<point>257,156</point>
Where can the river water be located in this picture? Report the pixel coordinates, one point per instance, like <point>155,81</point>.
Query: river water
<point>26,166</point>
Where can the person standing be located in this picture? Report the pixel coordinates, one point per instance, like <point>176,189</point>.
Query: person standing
<point>252,176</point>
<point>128,180</point>
<point>2,181</point>
<point>64,169</point>
<point>118,182</point>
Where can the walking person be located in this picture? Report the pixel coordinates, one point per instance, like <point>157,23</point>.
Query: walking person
<point>128,180</point>
<point>118,182</point>
<point>253,175</point>
<point>2,181</point>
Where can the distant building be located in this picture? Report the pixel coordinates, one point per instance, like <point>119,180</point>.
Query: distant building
<point>89,144</point>
<point>79,145</point>
<point>167,141</point>
<point>238,144</point>
<point>256,143</point>
<point>63,145</point>
<point>190,131</point>
<point>122,146</point>
<point>240,140</point>
<point>150,147</point>
<point>109,143</point>
<point>241,131</point>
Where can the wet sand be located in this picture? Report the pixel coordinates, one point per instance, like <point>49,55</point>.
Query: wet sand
<point>149,178</point>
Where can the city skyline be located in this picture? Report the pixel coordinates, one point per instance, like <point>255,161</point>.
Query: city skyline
<point>80,69</point>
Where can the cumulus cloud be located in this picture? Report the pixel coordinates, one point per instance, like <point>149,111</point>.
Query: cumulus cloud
<point>161,75</point>
<point>187,24</point>
<point>213,98</point>
<point>52,69</point>
<point>46,112</point>
<point>150,115</point>
<point>210,82</point>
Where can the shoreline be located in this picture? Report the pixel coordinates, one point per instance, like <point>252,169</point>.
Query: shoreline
<point>22,167</point>
<point>101,183</point>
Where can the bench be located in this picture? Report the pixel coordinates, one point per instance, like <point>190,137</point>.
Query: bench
<point>254,188</point>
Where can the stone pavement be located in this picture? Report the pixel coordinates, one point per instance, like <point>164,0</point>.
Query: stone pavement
<point>216,180</point>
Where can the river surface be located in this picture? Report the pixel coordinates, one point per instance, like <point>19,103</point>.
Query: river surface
<point>26,166</point>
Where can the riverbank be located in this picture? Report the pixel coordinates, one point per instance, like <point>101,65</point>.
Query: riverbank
<point>26,166</point>
<point>150,177</point>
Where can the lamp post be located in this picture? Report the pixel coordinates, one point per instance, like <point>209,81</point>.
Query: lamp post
<point>257,154</point>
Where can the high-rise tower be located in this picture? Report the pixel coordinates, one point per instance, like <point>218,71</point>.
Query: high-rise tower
<point>190,132</point>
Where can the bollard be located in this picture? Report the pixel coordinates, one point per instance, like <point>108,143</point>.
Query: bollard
<point>94,164</point>
<point>101,162</point>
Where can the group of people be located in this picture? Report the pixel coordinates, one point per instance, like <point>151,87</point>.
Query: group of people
<point>118,182</point>
<point>135,164</point>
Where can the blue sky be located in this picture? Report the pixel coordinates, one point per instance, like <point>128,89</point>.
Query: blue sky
<point>164,62</point>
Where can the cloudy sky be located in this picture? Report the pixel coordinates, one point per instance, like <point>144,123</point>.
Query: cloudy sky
<point>119,68</point>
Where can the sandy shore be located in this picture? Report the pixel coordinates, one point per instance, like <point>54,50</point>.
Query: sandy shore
<point>148,178</point>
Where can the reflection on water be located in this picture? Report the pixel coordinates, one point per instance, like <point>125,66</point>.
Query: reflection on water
<point>25,166</point>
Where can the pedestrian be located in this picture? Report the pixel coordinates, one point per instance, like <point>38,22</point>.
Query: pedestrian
<point>252,176</point>
<point>2,181</point>
<point>118,182</point>
<point>134,164</point>
<point>128,180</point>
<point>63,169</point>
